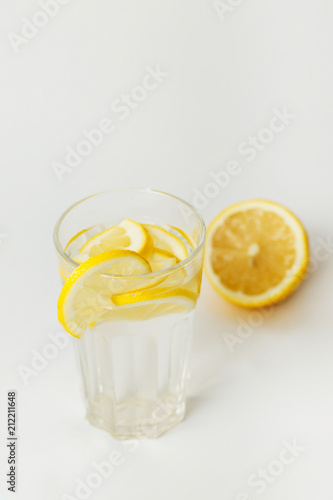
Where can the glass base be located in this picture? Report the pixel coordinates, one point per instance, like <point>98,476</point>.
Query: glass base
<point>135,374</point>
<point>153,419</point>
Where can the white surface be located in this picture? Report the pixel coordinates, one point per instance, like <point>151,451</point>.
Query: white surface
<point>225,79</point>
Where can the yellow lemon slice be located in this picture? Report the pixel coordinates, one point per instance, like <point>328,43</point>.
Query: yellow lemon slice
<point>148,305</point>
<point>127,235</point>
<point>87,293</point>
<point>161,259</point>
<point>77,237</point>
<point>163,240</point>
<point>186,237</point>
<point>72,247</point>
<point>256,253</point>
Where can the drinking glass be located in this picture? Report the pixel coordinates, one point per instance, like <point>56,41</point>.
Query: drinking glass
<point>135,362</point>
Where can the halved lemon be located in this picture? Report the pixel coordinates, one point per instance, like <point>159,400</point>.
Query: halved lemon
<point>161,259</point>
<point>148,305</point>
<point>87,293</point>
<point>256,253</point>
<point>127,235</point>
<point>163,240</point>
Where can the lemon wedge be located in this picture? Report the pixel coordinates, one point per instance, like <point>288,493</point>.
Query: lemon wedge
<point>256,253</point>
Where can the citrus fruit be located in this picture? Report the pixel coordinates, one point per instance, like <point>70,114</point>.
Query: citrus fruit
<point>161,259</point>
<point>148,305</point>
<point>256,253</point>
<point>186,237</point>
<point>87,293</point>
<point>127,235</point>
<point>163,240</point>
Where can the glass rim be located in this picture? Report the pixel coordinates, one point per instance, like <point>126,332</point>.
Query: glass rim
<point>162,272</point>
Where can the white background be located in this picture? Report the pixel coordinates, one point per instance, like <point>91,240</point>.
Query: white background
<point>226,75</point>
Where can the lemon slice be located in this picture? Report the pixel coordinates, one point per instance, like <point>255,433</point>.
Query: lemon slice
<point>186,237</point>
<point>72,247</point>
<point>163,240</point>
<point>87,293</point>
<point>256,253</point>
<point>76,237</point>
<point>148,305</point>
<point>127,235</point>
<point>161,259</point>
